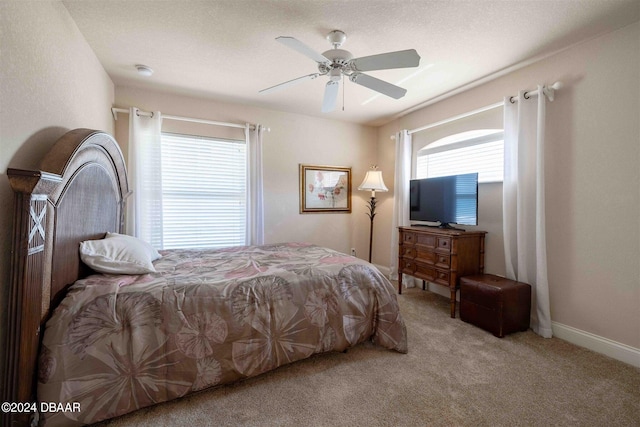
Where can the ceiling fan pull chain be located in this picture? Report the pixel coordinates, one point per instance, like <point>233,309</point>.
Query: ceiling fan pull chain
<point>343,89</point>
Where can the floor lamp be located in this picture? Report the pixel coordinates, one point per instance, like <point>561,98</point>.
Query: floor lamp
<point>372,181</point>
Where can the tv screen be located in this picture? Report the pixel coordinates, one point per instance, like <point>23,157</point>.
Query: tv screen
<point>448,199</point>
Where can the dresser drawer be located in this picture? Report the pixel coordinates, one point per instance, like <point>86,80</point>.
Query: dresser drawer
<point>442,277</point>
<point>407,251</point>
<point>427,240</point>
<point>431,274</point>
<point>444,244</point>
<point>425,256</point>
<point>408,238</point>
<point>442,260</point>
<point>408,267</point>
<point>425,272</point>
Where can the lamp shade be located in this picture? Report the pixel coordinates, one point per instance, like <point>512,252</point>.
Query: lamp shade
<point>373,181</point>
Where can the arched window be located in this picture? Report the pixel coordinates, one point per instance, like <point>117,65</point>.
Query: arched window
<point>479,151</point>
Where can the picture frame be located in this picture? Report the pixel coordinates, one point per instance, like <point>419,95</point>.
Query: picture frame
<point>325,189</point>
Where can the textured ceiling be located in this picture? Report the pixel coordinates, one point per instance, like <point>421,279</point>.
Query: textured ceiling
<point>226,50</point>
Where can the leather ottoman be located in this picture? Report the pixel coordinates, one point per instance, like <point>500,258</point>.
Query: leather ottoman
<point>495,304</point>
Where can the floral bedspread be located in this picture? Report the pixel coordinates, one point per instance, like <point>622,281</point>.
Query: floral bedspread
<point>119,343</point>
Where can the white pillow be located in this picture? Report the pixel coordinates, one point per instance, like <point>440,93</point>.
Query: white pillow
<point>119,254</point>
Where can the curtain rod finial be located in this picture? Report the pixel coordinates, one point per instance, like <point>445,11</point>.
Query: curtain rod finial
<point>550,91</point>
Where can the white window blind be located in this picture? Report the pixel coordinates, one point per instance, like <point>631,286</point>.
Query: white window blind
<point>204,191</point>
<point>466,203</point>
<point>479,151</point>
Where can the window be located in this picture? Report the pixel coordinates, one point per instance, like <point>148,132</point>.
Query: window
<point>479,151</point>
<point>204,191</point>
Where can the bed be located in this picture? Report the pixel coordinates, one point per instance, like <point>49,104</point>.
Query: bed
<point>114,343</point>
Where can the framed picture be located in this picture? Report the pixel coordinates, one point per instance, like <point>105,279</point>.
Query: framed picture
<point>325,189</point>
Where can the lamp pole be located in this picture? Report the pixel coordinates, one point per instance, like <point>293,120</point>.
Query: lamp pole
<point>371,214</point>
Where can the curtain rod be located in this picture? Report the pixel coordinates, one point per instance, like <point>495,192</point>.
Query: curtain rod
<point>115,112</point>
<point>549,91</point>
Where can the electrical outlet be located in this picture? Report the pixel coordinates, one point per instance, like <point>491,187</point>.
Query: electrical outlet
<point>353,251</point>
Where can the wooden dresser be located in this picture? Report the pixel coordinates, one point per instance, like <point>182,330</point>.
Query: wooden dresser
<point>440,256</point>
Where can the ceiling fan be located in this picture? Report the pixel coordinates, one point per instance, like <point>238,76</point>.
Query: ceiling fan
<point>337,63</point>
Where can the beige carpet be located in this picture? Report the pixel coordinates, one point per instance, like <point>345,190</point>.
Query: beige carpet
<point>454,375</point>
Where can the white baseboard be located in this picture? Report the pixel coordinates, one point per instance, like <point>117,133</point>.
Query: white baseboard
<point>386,271</point>
<point>613,349</point>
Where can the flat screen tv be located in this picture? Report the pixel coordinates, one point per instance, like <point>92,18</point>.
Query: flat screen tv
<point>447,200</point>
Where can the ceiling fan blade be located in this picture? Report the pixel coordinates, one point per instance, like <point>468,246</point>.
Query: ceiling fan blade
<point>330,96</point>
<point>378,85</point>
<point>289,83</point>
<point>385,61</point>
<point>302,48</point>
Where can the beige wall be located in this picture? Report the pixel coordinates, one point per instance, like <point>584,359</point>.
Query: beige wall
<point>293,139</point>
<point>51,82</point>
<point>592,180</point>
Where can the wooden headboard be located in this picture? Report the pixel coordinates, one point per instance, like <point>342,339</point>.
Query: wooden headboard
<point>78,194</point>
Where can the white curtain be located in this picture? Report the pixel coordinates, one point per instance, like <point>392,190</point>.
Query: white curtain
<point>400,198</point>
<point>523,202</point>
<point>145,176</point>
<point>255,203</point>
